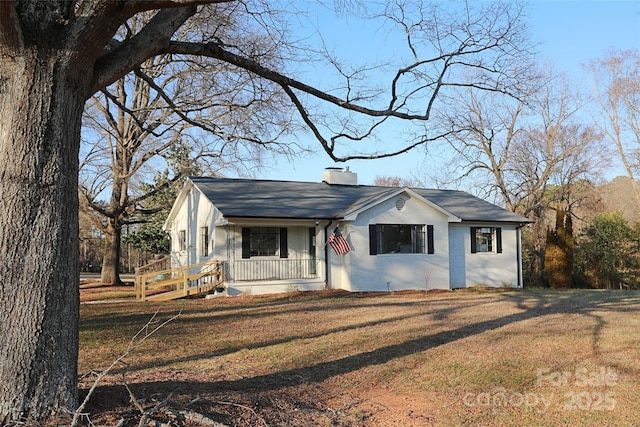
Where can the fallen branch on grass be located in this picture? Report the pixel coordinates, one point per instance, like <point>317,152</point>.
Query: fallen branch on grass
<point>136,341</point>
<point>193,416</point>
<point>244,407</point>
<point>146,415</point>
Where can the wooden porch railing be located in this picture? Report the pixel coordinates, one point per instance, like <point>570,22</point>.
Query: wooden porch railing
<point>157,265</point>
<point>173,283</point>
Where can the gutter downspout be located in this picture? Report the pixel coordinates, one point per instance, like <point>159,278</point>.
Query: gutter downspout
<point>326,254</point>
<point>519,254</point>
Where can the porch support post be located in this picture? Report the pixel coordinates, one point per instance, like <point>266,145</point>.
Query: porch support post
<point>327,268</point>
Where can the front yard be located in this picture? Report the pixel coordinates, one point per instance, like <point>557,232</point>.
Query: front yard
<point>532,357</point>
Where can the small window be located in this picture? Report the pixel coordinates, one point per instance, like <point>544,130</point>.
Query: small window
<point>182,240</point>
<point>486,239</point>
<point>399,238</point>
<point>204,241</point>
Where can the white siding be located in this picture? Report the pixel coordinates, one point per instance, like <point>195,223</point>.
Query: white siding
<point>195,212</point>
<point>451,266</point>
<point>361,271</point>
<point>483,268</point>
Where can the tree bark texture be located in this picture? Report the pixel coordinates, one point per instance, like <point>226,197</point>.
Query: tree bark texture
<point>40,116</point>
<point>115,215</point>
<point>54,55</point>
<point>110,274</point>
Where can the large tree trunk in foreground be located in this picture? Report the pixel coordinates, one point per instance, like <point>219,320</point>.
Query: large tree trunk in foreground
<point>40,115</point>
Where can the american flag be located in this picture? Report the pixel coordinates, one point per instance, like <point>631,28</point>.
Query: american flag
<point>339,243</point>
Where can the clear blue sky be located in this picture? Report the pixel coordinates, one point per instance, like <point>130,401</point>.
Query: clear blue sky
<point>570,34</point>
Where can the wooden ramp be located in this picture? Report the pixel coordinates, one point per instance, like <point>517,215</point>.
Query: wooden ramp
<point>153,284</point>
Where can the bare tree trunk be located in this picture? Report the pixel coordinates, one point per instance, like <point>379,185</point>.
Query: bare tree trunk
<point>40,117</point>
<point>111,255</point>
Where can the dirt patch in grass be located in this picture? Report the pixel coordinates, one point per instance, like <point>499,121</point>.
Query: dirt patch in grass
<point>336,359</point>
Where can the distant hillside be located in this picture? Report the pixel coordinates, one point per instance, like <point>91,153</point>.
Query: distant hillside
<point>617,195</point>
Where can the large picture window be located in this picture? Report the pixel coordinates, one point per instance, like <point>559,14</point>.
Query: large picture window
<point>264,241</point>
<point>400,238</point>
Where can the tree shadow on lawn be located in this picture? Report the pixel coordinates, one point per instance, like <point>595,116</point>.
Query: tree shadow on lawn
<point>533,305</point>
<point>252,309</point>
<point>438,313</point>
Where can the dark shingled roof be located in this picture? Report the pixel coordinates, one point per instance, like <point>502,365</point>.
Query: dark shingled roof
<point>249,198</point>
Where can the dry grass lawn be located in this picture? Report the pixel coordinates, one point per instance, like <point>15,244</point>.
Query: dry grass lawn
<point>498,358</point>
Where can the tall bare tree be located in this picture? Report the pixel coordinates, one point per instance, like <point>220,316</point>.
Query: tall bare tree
<point>616,89</point>
<point>515,148</point>
<point>533,152</point>
<point>132,127</point>
<point>55,55</point>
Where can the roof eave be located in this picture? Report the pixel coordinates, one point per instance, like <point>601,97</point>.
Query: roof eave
<point>188,185</point>
<point>351,216</point>
<point>498,221</point>
<point>232,218</point>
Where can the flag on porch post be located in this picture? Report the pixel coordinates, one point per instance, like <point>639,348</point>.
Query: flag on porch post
<point>339,243</point>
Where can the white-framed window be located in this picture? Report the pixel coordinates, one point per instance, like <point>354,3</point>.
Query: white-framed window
<point>486,239</point>
<point>204,241</point>
<point>182,240</point>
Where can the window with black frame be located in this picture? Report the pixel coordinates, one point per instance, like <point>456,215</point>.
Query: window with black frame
<point>400,238</point>
<point>486,239</point>
<point>264,242</point>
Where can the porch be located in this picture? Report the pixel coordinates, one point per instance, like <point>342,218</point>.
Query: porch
<point>240,270</point>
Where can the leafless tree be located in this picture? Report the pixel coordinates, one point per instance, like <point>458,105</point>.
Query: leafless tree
<point>616,89</point>
<point>55,55</point>
<point>532,152</point>
<point>169,114</point>
<point>516,148</point>
<point>396,181</point>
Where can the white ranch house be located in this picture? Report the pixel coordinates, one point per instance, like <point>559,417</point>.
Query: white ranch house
<point>272,235</point>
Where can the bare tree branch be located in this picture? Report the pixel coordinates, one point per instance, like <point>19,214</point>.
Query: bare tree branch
<point>150,41</point>
<point>150,328</point>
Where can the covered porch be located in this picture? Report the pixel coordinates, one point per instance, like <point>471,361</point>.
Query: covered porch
<point>273,256</point>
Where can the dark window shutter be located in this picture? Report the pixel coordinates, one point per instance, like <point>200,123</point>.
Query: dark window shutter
<point>246,242</point>
<point>474,240</point>
<point>373,240</point>
<point>499,240</point>
<point>284,247</point>
<point>430,243</point>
